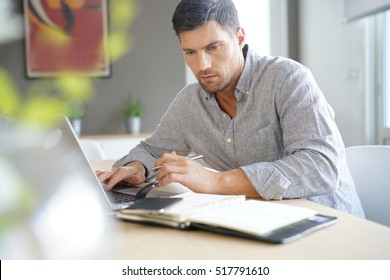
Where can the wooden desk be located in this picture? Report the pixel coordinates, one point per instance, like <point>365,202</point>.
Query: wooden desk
<point>350,238</point>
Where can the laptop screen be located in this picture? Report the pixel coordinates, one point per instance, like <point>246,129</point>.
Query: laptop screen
<point>49,159</point>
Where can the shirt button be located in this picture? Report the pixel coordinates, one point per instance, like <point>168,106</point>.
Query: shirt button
<point>229,140</point>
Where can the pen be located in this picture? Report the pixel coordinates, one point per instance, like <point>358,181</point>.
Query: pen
<point>193,157</point>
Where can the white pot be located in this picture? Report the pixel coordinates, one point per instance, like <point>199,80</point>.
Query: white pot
<point>134,125</point>
<point>77,126</point>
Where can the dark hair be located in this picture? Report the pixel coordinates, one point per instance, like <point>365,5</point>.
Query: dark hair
<point>191,14</point>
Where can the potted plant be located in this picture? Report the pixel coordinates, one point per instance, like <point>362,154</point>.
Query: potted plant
<point>75,113</point>
<point>133,111</point>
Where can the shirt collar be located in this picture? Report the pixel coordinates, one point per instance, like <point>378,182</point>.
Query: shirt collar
<point>243,85</point>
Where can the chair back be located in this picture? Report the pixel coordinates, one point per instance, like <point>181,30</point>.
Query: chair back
<point>370,170</point>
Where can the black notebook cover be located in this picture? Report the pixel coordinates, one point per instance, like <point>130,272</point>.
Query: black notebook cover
<point>285,234</point>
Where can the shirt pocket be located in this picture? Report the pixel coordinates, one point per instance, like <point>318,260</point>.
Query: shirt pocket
<point>258,145</point>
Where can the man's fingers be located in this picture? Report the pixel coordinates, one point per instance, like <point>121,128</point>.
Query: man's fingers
<point>112,181</point>
<point>109,177</point>
<point>122,174</point>
<point>168,158</point>
<point>104,175</point>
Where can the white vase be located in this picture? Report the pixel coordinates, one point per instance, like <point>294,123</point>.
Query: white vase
<point>77,126</point>
<point>134,125</point>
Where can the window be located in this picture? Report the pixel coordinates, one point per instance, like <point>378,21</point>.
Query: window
<point>355,9</point>
<point>11,24</point>
<point>386,72</point>
<point>255,19</point>
<point>380,77</point>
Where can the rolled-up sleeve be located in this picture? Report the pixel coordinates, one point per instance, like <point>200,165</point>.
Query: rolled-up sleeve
<point>311,143</point>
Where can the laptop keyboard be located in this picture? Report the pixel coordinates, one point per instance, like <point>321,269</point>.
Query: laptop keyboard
<point>117,197</point>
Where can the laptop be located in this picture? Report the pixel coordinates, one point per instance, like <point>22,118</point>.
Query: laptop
<point>48,158</point>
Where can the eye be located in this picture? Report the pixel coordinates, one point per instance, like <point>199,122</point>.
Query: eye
<point>213,47</point>
<point>189,52</point>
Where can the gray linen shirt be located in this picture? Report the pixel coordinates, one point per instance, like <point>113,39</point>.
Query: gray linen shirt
<point>283,136</point>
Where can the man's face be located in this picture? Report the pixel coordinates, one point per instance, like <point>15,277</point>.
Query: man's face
<point>214,56</point>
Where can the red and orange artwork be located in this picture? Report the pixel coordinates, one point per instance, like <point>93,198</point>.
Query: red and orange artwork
<point>66,36</point>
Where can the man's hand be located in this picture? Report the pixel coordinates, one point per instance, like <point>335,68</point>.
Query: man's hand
<point>180,169</point>
<point>133,173</point>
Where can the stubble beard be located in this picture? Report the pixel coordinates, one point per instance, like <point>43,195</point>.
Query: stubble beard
<point>214,87</point>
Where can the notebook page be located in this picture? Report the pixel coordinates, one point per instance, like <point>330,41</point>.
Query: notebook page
<point>191,203</point>
<point>200,203</point>
<point>253,216</point>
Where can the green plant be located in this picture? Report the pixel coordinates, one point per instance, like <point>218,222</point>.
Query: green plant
<point>132,107</point>
<point>75,110</point>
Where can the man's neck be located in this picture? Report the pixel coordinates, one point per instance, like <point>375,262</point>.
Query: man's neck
<point>227,102</point>
<point>227,99</point>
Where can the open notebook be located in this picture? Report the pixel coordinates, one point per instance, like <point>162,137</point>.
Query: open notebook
<point>234,215</point>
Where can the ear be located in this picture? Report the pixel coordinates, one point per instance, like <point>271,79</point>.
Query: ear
<point>241,37</point>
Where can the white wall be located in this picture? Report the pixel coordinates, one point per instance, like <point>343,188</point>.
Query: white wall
<point>334,52</point>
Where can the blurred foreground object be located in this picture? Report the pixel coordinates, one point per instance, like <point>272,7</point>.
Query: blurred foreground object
<point>48,208</point>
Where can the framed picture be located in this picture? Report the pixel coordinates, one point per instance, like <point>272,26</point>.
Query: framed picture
<point>66,36</point>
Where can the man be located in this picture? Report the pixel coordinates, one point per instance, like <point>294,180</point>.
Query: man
<point>261,121</point>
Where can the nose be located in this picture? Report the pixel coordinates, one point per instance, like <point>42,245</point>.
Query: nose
<point>204,62</point>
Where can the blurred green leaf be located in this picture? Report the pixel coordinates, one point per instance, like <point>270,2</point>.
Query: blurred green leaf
<point>118,44</point>
<point>43,109</point>
<point>9,96</point>
<point>74,87</point>
<point>124,12</point>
